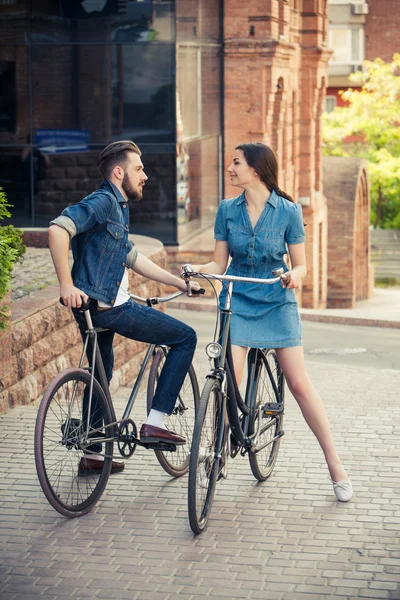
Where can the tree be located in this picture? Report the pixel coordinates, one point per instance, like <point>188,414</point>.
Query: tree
<point>369,127</point>
<point>11,250</point>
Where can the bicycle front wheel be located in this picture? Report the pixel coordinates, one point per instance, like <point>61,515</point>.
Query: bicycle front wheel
<point>269,388</point>
<point>182,418</point>
<point>204,457</point>
<point>66,440</point>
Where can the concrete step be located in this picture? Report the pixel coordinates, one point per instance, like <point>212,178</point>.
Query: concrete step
<point>385,252</point>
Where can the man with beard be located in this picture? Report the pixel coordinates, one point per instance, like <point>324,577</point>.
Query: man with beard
<point>98,228</point>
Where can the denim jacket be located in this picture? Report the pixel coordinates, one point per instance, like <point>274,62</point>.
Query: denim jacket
<point>99,227</point>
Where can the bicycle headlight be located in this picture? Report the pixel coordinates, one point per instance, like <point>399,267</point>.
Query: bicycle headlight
<point>213,350</point>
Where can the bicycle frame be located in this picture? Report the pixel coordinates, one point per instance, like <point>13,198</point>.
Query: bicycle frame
<point>97,363</point>
<point>232,400</point>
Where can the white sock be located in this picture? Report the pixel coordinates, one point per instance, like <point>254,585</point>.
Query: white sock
<point>156,418</point>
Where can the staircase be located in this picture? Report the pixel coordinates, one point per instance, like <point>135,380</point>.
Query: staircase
<point>385,253</point>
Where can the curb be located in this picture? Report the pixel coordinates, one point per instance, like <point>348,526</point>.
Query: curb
<point>209,305</point>
<point>356,321</point>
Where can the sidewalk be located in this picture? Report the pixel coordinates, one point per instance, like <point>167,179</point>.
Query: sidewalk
<point>285,539</point>
<point>36,273</point>
<point>382,310</point>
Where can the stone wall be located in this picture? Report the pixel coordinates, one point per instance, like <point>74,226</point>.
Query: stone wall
<point>43,339</point>
<point>385,253</point>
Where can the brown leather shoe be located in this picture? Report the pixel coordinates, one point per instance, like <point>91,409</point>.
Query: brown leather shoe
<point>89,465</point>
<point>150,433</point>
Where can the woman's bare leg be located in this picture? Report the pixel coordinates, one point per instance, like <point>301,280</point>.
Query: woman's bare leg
<point>239,354</point>
<point>311,405</point>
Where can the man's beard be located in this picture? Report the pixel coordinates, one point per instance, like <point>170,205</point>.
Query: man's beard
<point>130,191</point>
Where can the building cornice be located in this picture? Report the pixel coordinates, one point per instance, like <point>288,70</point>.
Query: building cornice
<point>246,46</point>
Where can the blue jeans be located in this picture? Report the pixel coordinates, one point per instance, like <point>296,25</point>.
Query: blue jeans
<point>145,324</point>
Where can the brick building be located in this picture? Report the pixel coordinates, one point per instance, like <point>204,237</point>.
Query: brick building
<point>275,65</point>
<point>187,80</point>
<point>358,30</point>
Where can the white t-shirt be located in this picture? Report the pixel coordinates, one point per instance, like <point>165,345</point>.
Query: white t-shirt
<point>122,296</point>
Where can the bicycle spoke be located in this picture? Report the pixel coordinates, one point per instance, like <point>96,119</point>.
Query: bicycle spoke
<point>61,443</point>
<point>181,421</point>
<point>269,390</point>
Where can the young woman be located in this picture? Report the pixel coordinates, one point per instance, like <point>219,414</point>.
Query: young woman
<point>257,229</point>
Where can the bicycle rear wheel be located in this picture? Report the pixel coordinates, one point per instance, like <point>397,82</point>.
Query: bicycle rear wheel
<point>204,457</point>
<point>182,418</point>
<point>269,388</point>
<point>62,447</point>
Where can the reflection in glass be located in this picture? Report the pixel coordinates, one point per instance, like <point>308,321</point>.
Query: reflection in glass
<point>143,92</point>
<point>8,96</point>
<point>103,20</point>
<point>15,180</point>
<point>78,74</point>
<point>198,122</point>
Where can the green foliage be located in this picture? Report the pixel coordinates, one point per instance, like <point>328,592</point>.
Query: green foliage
<point>369,127</point>
<point>11,250</point>
<point>387,282</point>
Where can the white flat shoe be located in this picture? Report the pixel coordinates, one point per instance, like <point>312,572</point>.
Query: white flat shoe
<point>343,490</point>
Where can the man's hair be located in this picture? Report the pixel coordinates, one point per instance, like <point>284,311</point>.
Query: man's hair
<point>115,154</point>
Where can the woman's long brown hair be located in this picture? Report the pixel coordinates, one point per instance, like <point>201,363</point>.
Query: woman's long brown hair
<point>263,160</point>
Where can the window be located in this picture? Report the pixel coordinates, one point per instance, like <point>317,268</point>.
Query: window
<point>143,96</point>
<point>347,44</point>
<point>330,103</point>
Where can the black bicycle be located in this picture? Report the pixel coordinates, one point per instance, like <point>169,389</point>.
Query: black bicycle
<point>76,419</point>
<point>226,424</point>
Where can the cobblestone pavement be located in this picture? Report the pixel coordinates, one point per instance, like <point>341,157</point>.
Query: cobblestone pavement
<point>285,539</point>
<point>35,272</point>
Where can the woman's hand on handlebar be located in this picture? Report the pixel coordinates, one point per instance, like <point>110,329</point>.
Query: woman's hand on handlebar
<point>72,296</point>
<point>290,280</point>
<point>191,287</point>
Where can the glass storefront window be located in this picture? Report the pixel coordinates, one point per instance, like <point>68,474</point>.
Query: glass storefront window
<point>103,20</point>
<point>143,92</point>
<point>78,74</point>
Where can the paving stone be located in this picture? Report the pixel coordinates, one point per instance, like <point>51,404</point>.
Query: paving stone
<point>286,539</point>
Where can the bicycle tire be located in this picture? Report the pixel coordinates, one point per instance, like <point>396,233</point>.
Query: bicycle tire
<point>182,419</point>
<point>59,431</point>
<point>204,461</point>
<point>262,463</point>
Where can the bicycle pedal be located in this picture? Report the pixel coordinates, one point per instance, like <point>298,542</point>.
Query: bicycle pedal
<point>272,408</point>
<point>163,446</point>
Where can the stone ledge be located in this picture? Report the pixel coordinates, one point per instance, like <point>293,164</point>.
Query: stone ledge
<point>43,338</point>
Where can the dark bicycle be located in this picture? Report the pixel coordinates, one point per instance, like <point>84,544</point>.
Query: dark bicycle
<point>255,422</point>
<point>68,428</point>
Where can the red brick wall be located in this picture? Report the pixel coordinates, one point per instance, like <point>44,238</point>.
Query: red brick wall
<point>382,29</point>
<point>275,73</point>
<point>349,277</point>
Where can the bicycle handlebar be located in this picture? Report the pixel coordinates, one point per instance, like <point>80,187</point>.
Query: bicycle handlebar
<point>187,273</point>
<point>149,301</point>
<point>155,300</point>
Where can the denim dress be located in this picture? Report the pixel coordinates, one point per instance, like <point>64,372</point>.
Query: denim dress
<point>263,316</point>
